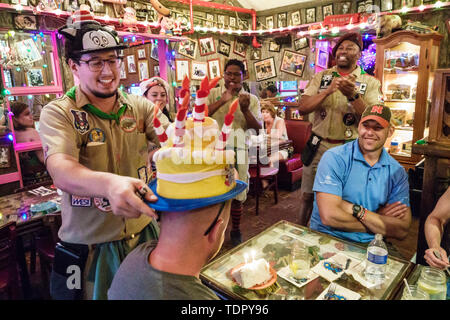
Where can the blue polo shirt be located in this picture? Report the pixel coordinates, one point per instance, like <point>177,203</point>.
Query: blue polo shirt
<point>344,172</point>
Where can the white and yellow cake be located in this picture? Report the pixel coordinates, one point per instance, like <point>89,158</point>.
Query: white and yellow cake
<point>253,273</point>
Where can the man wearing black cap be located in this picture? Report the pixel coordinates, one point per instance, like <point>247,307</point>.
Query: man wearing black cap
<point>97,143</point>
<point>336,97</point>
<point>360,189</point>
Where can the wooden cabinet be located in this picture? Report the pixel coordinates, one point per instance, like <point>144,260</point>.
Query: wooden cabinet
<point>405,65</point>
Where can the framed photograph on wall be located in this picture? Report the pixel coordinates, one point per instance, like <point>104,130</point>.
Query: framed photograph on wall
<point>154,52</point>
<point>207,46</point>
<point>255,54</point>
<point>224,48</point>
<point>143,70</point>
<point>301,43</point>
<point>156,72</point>
<point>386,5</point>
<point>131,64</point>
<point>214,68</point>
<point>274,47</point>
<point>221,21</point>
<point>282,20</point>
<point>361,6</point>
<point>187,48</point>
<point>199,70</point>
<point>5,158</point>
<point>123,72</point>
<point>240,48</point>
<point>233,22</point>
<point>327,10</point>
<point>265,69</point>
<point>25,22</point>
<point>295,17</point>
<point>293,63</point>
<point>322,59</point>
<point>344,7</point>
<point>35,77</point>
<point>246,75</point>
<point>141,53</point>
<point>269,22</point>
<point>121,53</point>
<point>182,69</point>
<point>311,15</point>
<point>209,20</point>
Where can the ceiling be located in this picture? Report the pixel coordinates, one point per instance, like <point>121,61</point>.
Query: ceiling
<point>260,5</point>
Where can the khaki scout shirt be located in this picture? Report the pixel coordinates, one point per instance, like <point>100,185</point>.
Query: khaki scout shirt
<point>239,121</point>
<point>327,119</point>
<point>100,145</point>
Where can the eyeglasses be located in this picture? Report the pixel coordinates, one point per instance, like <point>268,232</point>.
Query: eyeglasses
<point>96,65</point>
<point>215,219</point>
<point>236,74</point>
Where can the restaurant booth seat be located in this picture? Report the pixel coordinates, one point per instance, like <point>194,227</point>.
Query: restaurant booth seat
<point>9,273</point>
<point>291,169</point>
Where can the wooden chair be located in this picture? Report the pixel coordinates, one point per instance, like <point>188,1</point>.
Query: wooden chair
<point>9,274</point>
<point>258,173</point>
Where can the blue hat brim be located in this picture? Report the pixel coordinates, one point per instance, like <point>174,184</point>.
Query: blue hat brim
<point>173,205</point>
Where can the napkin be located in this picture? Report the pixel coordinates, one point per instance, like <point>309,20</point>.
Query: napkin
<point>287,274</point>
<point>340,293</point>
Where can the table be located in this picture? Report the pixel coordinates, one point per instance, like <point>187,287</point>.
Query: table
<point>16,207</point>
<point>275,244</point>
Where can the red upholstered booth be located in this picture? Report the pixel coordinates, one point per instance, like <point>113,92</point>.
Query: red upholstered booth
<point>291,169</point>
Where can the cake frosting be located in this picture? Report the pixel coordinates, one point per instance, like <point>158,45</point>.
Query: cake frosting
<point>254,273</point>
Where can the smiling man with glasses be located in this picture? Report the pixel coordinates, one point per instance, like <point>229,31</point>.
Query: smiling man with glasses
<point>98,142</point>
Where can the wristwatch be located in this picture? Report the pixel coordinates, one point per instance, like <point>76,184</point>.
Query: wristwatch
<point>356,210</point>
<point>351,99</point>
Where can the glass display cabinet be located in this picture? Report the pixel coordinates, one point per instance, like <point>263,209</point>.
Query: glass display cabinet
<point>405,65</point>
<point>277,245</point>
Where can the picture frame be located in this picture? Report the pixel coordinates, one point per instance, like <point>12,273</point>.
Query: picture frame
<point>25,22</point>
<point>199,70</point>
<point>123,71</point>
<point>293,63</point>
<point>187,48</point>
<point>131,64</point>
<point>209,20</point>
<point>274,47</point>
<point>233,22</point>
<point>121,53</point>
<point>154,52</point>
<point>265,69</point>
<point>301,43</point>
<point>28,51</point>
<point>344,7</point>
<point>327,10</point>
<point>5,156</point>
<point>214,68</point>
<point>224,48</point>
<point>221,20</point>
<point>143,70</point>
<point>310,15</point>
<point>182,69</point>
<point>361,6</point>
<point>141,53</point>
<point>322,58</point>
<point>269,22</point>
<point>206,46</point>
<point>386,5</point>
<point>246,75</point>
<point>35,77</point>
<point>409,3</point>
<point>282,20</point>
<point>239,48</point>
<point>296,18</point>
<point>255,54</point>
<point>156,72</point>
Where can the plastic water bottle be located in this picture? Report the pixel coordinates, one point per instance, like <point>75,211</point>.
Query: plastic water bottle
<point>376,260</point>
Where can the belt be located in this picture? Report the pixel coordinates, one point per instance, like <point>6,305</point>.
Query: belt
<point>85,247</point>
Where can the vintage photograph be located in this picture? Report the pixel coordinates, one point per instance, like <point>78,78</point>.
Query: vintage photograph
<point>240,48</point>
<point>327,10</point>
<point>269,22</point>
<point>295,17</point>
<point>409,3</point>
<point>224,48</point>
<point>386,5</point>
<point>207,46</point>
<point>282,20</point>
<point>182,69</point>
<point>25,22</point>
<point>154,52</point>
<point>221,20</point>
<point>28,50</point>
<point>255,54</point>
<point>123,72</point>
<point>310,15</point>
<point>4,156</point>
<point>141,53</point>
<point>274,47</point>
<point>187,48</point>
<point>233,23</point>
<point>143,70</point>
<point>199,70</point>
<point>293,63</point>
<point>156,72</point>
<point>344,7</point>
<point>361,6</point>
<point>131,64</point>
<point>301,43</point>
<point>121,53</point>
<point>35,77</point>
<point>265,69</point>
<point>214,68</point>
<point>209,20</point>
<point>322,59</point>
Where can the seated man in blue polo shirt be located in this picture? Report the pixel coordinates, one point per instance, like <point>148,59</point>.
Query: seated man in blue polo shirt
<point>360,190</point>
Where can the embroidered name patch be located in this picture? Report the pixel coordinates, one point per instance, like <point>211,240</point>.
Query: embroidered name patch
<point>76,201</point>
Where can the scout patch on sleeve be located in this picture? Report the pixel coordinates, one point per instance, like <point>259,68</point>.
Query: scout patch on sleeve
<point>102,204</point>
<point>326,81</point>
<point>96,135</point>
<point>80,121</point>
<point>76,201</point>
<point>128,123</point>
<point>362,87</point>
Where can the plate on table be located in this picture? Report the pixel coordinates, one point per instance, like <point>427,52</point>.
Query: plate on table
<point>264,285</point>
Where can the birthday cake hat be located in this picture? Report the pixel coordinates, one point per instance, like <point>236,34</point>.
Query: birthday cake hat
<point>193,167</point>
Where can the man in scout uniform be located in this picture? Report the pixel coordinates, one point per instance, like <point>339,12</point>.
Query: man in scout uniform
<point>360,189</point>
<point>97,143</point>
<point>247,116</point>
<point>336,97</point>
